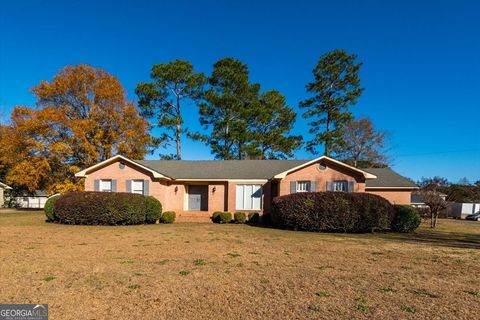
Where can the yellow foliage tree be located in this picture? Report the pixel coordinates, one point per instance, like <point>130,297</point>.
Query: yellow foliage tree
<point>82,117</point>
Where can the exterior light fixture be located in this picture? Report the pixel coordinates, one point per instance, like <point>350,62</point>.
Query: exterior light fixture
<point>214,189</point>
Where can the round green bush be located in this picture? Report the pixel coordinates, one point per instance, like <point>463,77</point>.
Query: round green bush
<point>332,212</point>
<point>253,217</point>
<point>406,219</point>
<point>240,217</point>
<point>221,217</point>
<point>48,208</point>
<point>101,208</point>
<point>168,217</point>
<point>153,209</point>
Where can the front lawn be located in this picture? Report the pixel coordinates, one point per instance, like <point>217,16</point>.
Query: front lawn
<point>210,271</point>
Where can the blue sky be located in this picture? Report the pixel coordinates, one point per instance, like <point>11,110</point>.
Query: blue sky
<point>421,60</point>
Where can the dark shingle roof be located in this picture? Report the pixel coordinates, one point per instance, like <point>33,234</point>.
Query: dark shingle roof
<point>217,169</point>
<point>255,169</point>
<point>387,178</point>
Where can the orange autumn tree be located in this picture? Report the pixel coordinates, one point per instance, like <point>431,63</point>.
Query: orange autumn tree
<point>81,117</point>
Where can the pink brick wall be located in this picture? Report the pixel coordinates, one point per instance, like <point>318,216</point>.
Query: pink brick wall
<point>174,195</point>
<point>313,173</point>
<point>400,196</point>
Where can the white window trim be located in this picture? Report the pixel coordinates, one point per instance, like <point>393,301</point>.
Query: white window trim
<point>101,185</point>
<point>138,191</point>
<point>302,183</point>
<point>245,197</point>
<point>338,182</point>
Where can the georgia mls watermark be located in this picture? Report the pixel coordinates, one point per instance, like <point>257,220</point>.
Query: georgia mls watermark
<point>23,311</point>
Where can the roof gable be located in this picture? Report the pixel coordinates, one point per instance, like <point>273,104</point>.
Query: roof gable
<point>4,186</point>
<point>365,174</point>
<point>113,159</point>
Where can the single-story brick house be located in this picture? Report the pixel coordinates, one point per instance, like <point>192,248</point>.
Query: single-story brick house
<point>195,189</point>
<point>3,187</point>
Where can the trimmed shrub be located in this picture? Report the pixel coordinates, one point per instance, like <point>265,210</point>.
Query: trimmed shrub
<point>332,212</point>
<point>406,219</point>
<point>221,217</point>
<point>168,217</point>
<point>153,210</point>
<point>101,208</point>
<point>253,217</point>
<point>240,217</point>
<point>48,208</point>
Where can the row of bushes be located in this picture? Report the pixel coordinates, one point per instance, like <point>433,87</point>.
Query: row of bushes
<point>105,208</point>
<point>321,211</point>
<point>341,212</point>
<point>238,217</point>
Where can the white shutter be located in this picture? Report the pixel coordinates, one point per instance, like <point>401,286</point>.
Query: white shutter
<point>240,197</point>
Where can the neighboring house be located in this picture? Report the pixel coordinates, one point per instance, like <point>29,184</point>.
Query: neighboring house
<point>195,189</point>
<point>462,210</point>
<point>418,202</point>
<point>35,200</point>
<point>3,187</point>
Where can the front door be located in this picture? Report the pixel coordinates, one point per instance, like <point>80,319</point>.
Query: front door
<point>198,198</point>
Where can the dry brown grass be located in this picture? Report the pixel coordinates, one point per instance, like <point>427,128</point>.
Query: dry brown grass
<point>206,271</point>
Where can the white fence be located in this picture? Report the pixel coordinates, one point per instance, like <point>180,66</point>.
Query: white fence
<point>31,202</point>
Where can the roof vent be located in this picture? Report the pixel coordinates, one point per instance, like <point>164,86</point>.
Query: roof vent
<point>322,166</point>
<point>121,165</point>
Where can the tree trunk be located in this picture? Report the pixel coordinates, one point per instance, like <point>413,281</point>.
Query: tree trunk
<point>328,139</point>
<point>178,130</point>
<point>177,137</point>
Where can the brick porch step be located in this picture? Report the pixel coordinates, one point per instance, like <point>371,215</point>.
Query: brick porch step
<point>192,217</point>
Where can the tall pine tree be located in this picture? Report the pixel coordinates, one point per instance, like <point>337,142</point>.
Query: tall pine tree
<point>336,87</point>
<point>244,123</point>
<point>162,100</point>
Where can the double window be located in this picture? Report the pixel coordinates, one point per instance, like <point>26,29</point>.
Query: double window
<point>303,186</point>
<point>105,185</point>
<point>249,197</point>
<point>340,186</point>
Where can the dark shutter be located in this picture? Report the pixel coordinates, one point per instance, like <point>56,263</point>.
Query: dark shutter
<point>351,186</point>
<point>114,185</point>
<point>293,186</point>
<point>313,186</point>
<point>96,185</point>
<point>329,186</point>
<point>129,186</point>
<point>146,192</point>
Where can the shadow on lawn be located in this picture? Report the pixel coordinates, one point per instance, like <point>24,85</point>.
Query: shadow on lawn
<point>438,238</point>
<point>425,236</point>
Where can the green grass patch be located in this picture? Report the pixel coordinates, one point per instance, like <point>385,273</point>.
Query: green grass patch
<point>134,286</point>
<point>199,262</point>
<point>408,309</point>
<point>234,254</point>
<point>322,294</point>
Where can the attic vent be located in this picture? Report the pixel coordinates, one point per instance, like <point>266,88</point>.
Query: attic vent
<point>322,166</point>
<point>121,165</point>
